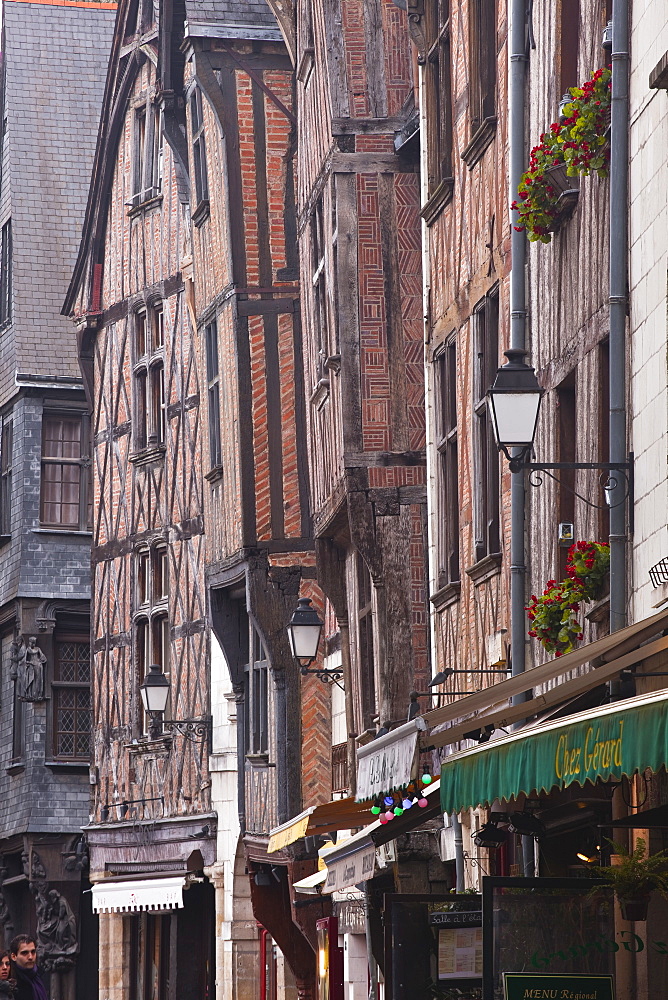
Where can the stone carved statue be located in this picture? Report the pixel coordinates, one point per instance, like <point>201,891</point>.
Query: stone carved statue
<point>30,671</point>
<point>57,944</point>
<point>6,922</point>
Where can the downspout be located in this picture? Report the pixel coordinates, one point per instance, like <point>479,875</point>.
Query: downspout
<point>517,72</point>
<point>618,298</point>
<point>459,853</point>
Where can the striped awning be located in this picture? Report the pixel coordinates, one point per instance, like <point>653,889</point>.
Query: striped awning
<point>145,894</point>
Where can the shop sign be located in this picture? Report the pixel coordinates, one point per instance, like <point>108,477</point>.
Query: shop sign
<point>589,750</point>
<point>358,866</point>
<point>387,763</point>
<point>520,986</point>
<point>456,918</point>
<point>350,914</point>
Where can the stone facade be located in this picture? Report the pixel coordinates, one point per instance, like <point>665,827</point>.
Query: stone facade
<point>51,96</point>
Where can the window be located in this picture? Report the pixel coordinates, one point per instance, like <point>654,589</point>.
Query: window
<point>66,494</point>
<point>213,384</point>
<point>152,630</point>
<point>71,699</point>
<point>257,697</point>
<point>149,377</point>
<point>6,449</point>
<point>319,282</point>
<point>438,96</point>
<point>485,455</point>
<point>569,44</point>
<point>199,149</point>
<point>148,155</point>
<point>367,675</point>
<point>6,273</point>
<point>482,42</point>
<point>448,464</point>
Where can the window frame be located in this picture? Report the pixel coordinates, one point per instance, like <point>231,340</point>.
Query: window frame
<point>6,463</point>
<point>151,618</point>
<point>256,736</point>
<point>213,393</point>
<point>83,463</point>
<point>485,466</point>
<point>58,685</point>
<point>438,94</point>
<point>199,157</point>
<point>147,153</point>
<point>447,448</point>
<point>6,268</point>
<point>150,407</point>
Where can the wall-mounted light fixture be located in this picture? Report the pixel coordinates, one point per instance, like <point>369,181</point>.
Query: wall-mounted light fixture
<point>154,695</point>
<point>304,630</point>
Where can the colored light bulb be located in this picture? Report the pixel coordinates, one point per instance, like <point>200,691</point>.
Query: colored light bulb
<point>389,800</point>
<point>375,810</point>
<point>426,779</point>
<point>398,811</point>
<point>423,803</point>
<point>389,815</point>
<point>383,818</point>
<point>407,803</point>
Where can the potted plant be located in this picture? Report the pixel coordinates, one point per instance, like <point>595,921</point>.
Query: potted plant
<point>636,876</point>
<point>554,615</point>
<point>577,144</point>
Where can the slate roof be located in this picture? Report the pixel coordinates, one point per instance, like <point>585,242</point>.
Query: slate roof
<point>231,19</point>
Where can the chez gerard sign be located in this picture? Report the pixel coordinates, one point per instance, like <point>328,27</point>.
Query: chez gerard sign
<point>620,739</point>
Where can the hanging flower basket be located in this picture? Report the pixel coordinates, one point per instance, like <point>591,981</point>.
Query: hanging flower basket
<point>579,144</point>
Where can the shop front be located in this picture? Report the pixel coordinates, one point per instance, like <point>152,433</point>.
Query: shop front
<point>567,789</point>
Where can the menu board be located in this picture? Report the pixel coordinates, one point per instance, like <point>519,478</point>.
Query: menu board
<point>459,953</point>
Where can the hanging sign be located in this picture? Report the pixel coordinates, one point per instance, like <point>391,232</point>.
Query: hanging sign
<point>387,763</point>
<point>520,986</point>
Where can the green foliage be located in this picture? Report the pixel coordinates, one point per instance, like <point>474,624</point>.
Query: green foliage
<point>637,874</point>
<point>577,143</point>
<point>554,615</point>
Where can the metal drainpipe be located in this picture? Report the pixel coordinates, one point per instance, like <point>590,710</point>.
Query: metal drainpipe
<point>459,853</point>
<point>618,296</point>
<point>517,71</point>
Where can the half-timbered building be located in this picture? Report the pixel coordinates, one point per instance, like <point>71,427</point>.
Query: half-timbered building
<point>53,65</point>
<point>152,830</point>
<point>239,92</point>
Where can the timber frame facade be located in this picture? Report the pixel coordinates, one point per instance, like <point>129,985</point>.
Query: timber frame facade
<point>138,350</point>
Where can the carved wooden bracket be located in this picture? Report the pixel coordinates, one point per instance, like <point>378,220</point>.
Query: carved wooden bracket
<point>416,28</point>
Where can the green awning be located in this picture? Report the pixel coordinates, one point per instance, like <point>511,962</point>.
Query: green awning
<point>603,743</point>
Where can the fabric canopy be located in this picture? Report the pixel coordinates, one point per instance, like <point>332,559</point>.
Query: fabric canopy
<point>604,743</point>
<point>148,894</point>
<point>339,814</point>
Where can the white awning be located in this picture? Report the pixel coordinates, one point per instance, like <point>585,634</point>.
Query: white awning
<point>387,762</point>
<point>131,897</point>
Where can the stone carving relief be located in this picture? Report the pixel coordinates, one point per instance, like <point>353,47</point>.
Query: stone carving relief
<point>57,943</point>
<point>28,664</point>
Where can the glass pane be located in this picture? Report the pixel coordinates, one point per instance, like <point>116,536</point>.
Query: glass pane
<point>142,578</point>
<point>60,493</point>
<point>61,437</point>
<point>140,334</point>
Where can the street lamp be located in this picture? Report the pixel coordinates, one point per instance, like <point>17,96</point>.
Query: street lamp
<point>154,694</point>
<point>154,691</point>
<point>514,402</point>
<point>304,630</point>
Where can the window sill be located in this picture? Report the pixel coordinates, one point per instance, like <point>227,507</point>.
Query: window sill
<point>6,323</point>
<point>480,140</point>
<point>78,766</point>
<point>201,213</point>
<point>214,474</point>
<point>147,455</point>
<point>438,199</point>
<point>76,532</point>
<point>155,201</point>
<point>485,568</point>
<point>258,760</point>
<point>16,767</point>
<point>4,540</point>
<point>446,595</point>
